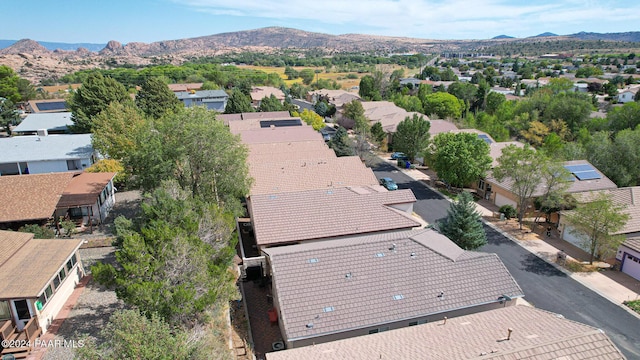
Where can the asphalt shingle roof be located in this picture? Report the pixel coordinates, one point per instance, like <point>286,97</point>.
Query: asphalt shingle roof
<point>314,214</point>
<point>309,174</point>
<point>381,278</point>
<point>31,197</point>
<point>537,335</point>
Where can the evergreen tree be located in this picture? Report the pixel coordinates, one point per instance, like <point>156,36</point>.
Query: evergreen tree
<point>155,99</point>
<point>95,95</point>
<point>462,224</point>
<point>238,103</point>
<point>341,144</point>
<point>270,103</point>
<point>377,133</point>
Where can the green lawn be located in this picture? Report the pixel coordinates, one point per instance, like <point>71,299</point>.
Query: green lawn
<point>634,305</point>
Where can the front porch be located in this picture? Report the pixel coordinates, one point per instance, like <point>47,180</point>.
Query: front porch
<point>19,343</point>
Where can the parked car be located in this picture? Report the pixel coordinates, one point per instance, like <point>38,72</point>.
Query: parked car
<point>388,183</point>
<point>399,156</point>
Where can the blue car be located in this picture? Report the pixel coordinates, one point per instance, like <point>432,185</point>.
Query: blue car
<point>399,156</point>
<point>388,183</point>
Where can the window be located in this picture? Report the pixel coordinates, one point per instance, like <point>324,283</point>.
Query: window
<point>56,282</point>
<point>48,291</point>
<point>42,300</point>
<point>413,323</point>
<point>374,331</point>
<point>71,263</point>
<point>5,314</point>
<point>62,274</point>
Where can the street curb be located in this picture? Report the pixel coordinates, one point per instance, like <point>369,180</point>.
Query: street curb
<point>516,241</point>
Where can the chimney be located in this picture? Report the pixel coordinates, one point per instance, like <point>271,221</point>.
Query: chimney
<point>510,330</point>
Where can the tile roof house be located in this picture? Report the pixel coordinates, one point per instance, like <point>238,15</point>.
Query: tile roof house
<point>39,197</point>
<point>388,114</point>
<point>238,126</point>
<point>277,176</point>
<point>336,97</point>
<point>260,92</point>
<point>629,257</point>
<point>295,150</point>
<point>36,277</point>
<point>280,134</point>
<point>535,335</point>
<point>439,126</point>
<point>52,123</point>
<point>261,115</point>
<point>44,154</point>
<point>212,99</point>
<point>293,217</point>
<point>185,87</point>
<point>336,289</point>
<point>501,193</point>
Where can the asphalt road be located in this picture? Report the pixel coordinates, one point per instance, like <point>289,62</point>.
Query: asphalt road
<point>544,286</point>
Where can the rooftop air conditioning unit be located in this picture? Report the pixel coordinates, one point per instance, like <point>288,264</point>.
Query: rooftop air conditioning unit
<point>42,132</point>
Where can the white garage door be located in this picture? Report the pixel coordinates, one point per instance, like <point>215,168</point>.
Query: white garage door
<point>503,200</point>
<point>631,266</point>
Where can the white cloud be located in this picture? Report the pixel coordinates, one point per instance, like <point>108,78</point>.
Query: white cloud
<point>437,18</point>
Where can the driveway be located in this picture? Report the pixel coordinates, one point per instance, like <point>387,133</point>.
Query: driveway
<point>544,286</point>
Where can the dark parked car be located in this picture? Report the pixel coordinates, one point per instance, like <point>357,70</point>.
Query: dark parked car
<point>388,183</point>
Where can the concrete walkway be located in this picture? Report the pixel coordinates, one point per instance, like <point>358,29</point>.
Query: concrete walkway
<point>613,285</point>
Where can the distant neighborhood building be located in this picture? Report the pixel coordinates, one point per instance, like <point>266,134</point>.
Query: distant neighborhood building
<point>628,94</point>
<point>513,332</point>
<point>260,92</point>
<point>259,120</point>
<point>185,87</point>
<point>629,257</point>
<point>212,99</point>
<point>45,123</point>
<point>44,154</point>
<point>337,289</point>
<point>37,276</point>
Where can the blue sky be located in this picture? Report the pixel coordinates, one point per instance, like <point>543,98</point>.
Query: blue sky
<point>98,21</point>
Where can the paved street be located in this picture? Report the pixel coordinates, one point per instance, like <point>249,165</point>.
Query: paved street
<point>544,286</point>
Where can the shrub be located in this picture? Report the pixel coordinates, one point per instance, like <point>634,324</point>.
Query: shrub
<point>508,211</point>
<point>40,232</point>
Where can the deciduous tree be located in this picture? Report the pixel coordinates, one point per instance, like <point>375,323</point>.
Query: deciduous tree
<point>311,118</point>
<point>459,158</point>
<point>597,221</point>
<point>463,223</point>
<point>444,105</point>
<point>412,136</point>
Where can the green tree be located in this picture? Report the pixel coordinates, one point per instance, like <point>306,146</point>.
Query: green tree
<point>341,144</point>
<point>311,118</point>
<point>353,110</point>
<point>466,92</point>
<point>625,117</point>
<point>368,89</point>
<point>270,103</point>
<point>109,165</point>
<point>444,105</point>
<point>155,99</point>
<point>412,136</point>
<point>307,75</point>
<point>94,96</point>
<point>494,101</point>
<point>198,151</point>
<point>597,221</point>
<point>13,87</point>
<point>115,130</point>
<point>38,231</point>
<point>238,103</point>
<point>377,133</point>
<point>523,167</point>
<point>174,259</point>
<point>463,223</point>
<point>8,114</point>
<point>459,158</point>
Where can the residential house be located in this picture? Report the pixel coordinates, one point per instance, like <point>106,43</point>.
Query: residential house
<point>335,97</point>
<point>629,199</point>
<point>47,106</point>
<point>513,332</point>
<point>38,198</point>
<point>440,126</point>
<point>388,114</point>
<point>295,150</point>
<point>266,115</point>
<point>628,93</point>
<point>584,178</point>
<point>280,175</point>
<point>252,123</point>
<point>37,276</point>
<point>212,99</point>
<point>337,289</point>
<point>260,92</point>
<point>45,123</point>
<point>415,83</point>
<point>280,134</point>
<point>294,217</point>
<point>45,154</point>
<point>629,257</point>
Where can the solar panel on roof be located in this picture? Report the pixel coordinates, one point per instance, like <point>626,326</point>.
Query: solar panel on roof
<point>581,167</point>
<point>280,123</point>
<point>587,175</point>
<point>485,138</point>
<point>49,106</point>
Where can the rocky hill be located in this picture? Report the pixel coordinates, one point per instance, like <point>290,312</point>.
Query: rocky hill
<point>35,62</point>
